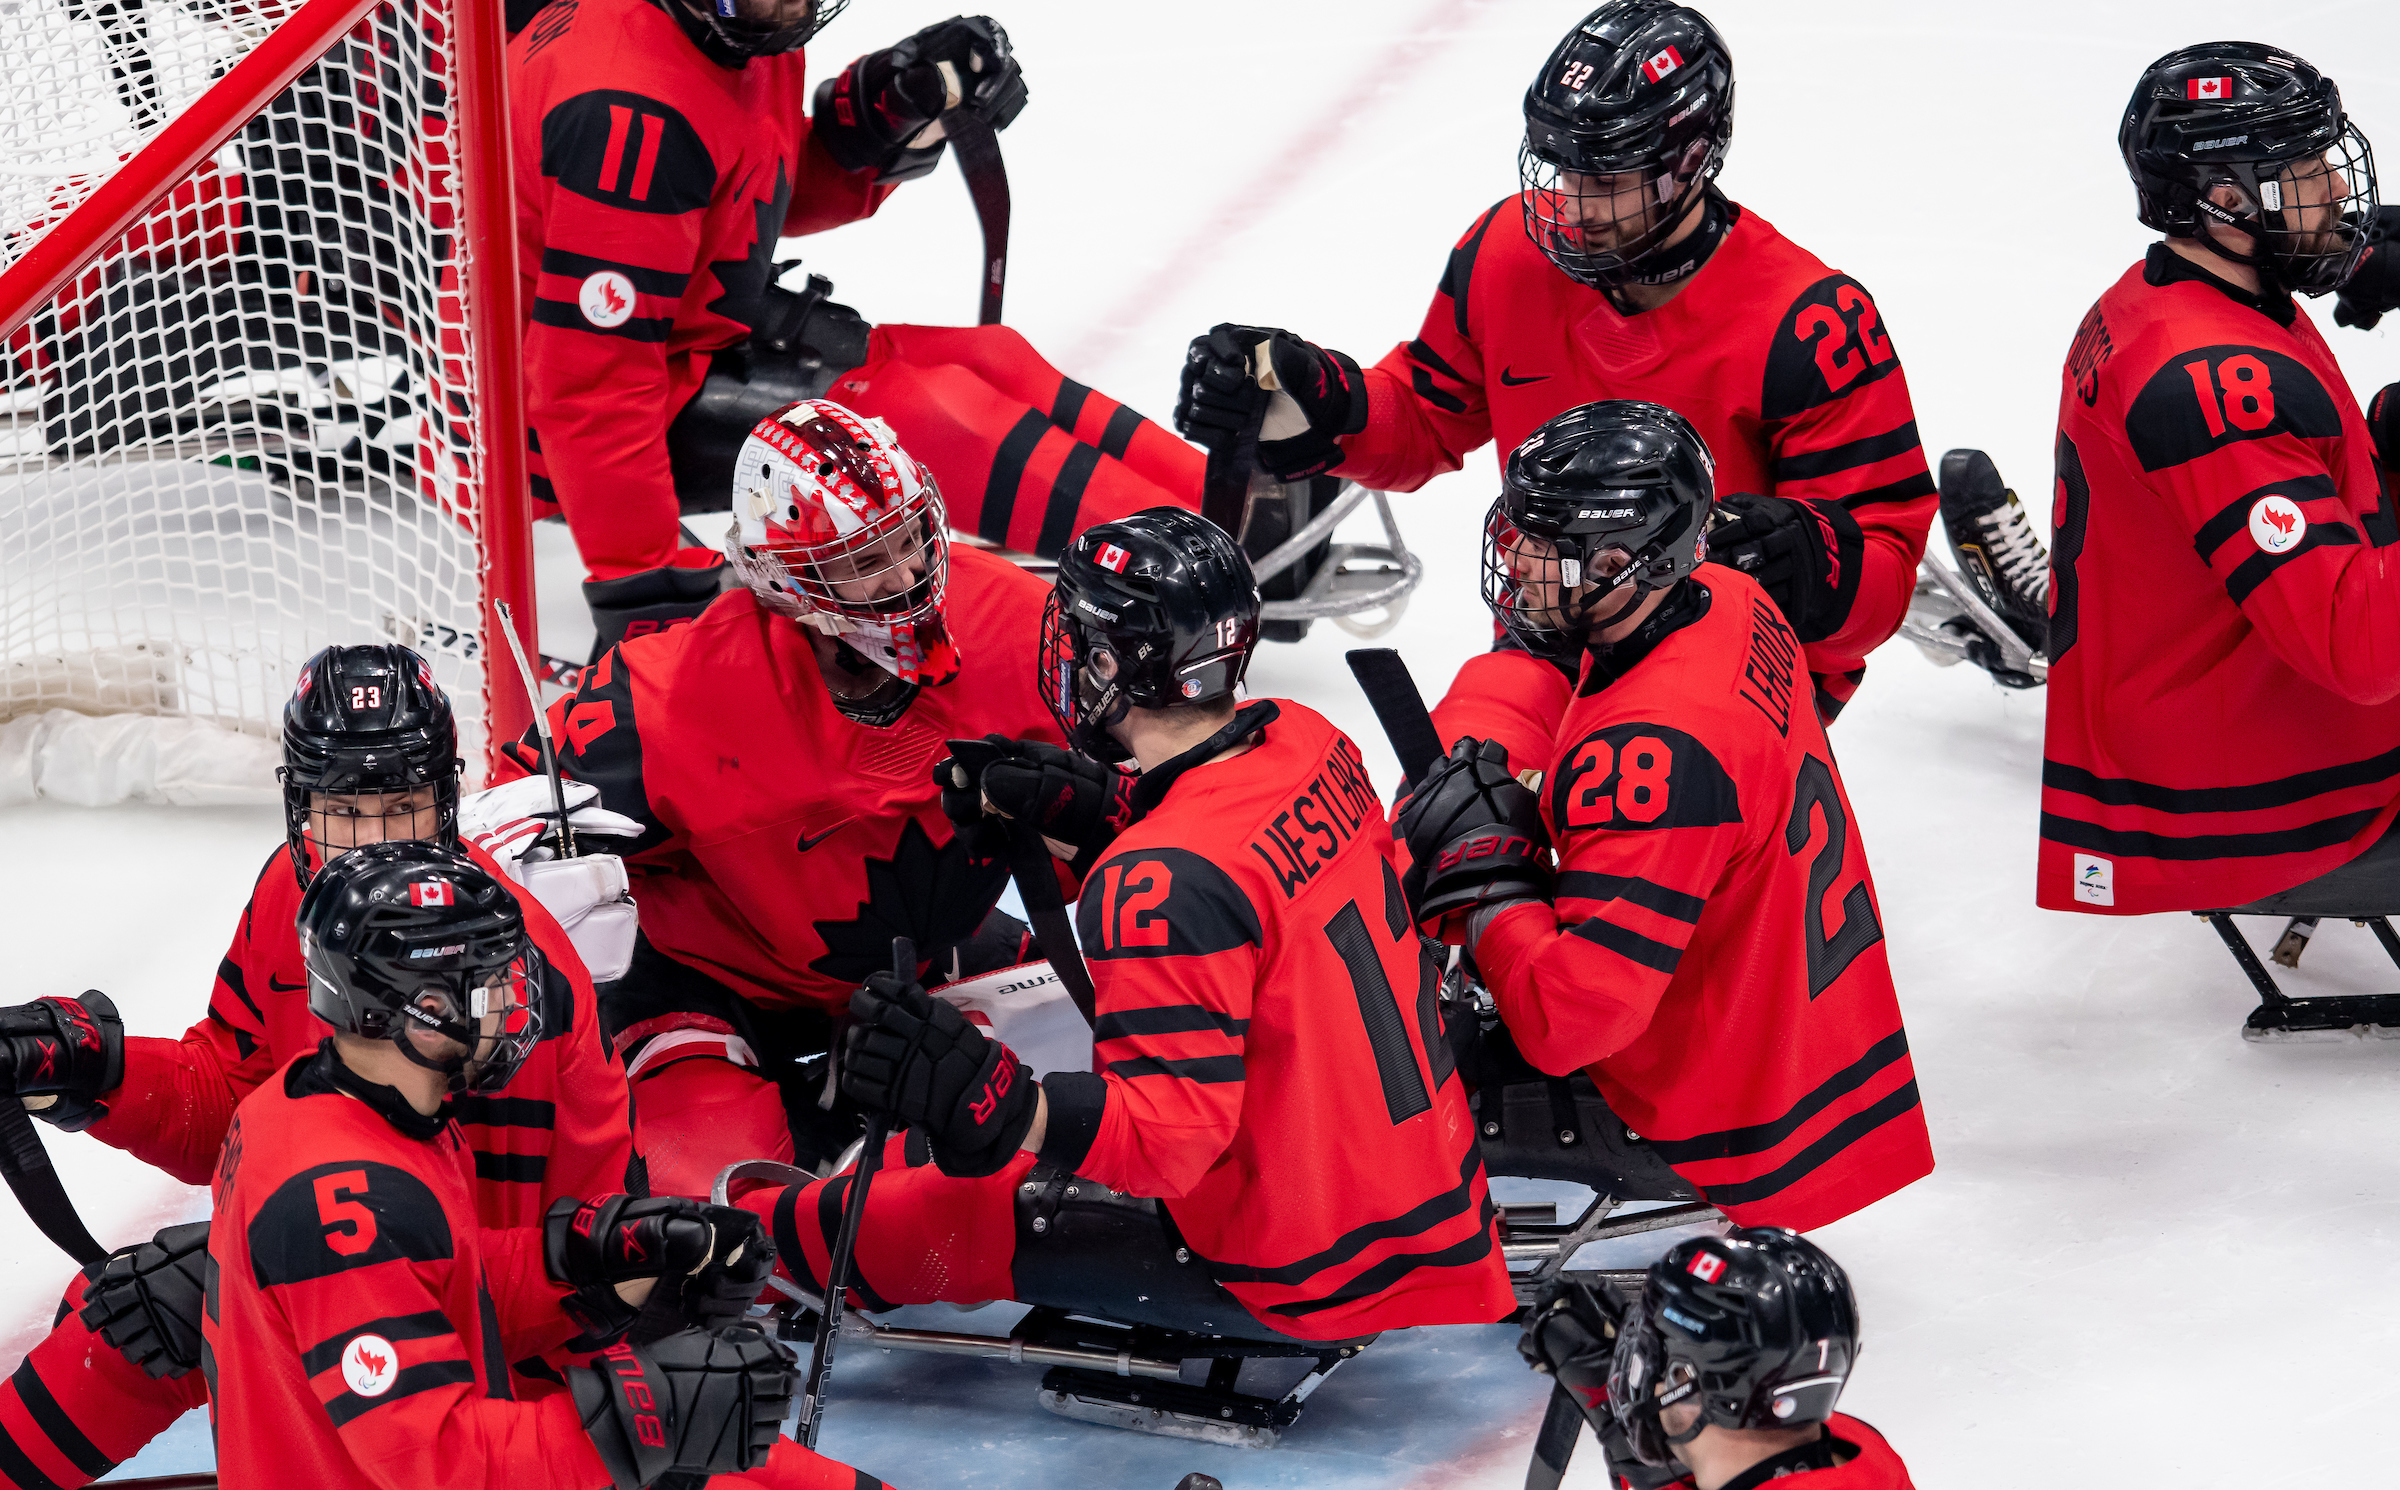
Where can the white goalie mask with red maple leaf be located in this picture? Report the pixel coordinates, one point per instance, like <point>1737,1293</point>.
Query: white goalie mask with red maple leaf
<point>840,529</point>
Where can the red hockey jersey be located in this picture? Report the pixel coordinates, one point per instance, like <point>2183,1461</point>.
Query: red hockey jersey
<point>652,186</point>
<point>1511,696</point>
<point>786,844</point>
<point>1782,364</point>
<point>360,1319</point>
<point>2224,716</point>
<point>1715,957</point>
<point>1270,1058</point>
<point>560,1129</point>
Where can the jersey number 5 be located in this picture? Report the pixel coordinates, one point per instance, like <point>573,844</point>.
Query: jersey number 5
<point>349,1226</point>
<point>1829,955</point>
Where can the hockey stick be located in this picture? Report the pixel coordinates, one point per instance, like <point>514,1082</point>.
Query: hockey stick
<point>1383,677</point>
<point>1037,886</point>
<point>26,1166</point>
<point>1225,486</point>
<point>845,1241</point>
<point>541,726</point>
<point>1554,1445</point>
<point>987,185</point>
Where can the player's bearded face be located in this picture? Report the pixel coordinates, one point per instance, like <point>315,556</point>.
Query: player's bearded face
<point>337,824</point>
<point>1607,211</point>
<point>1544,596</point>
<point>2313,191</point>
<point>504,1010</point>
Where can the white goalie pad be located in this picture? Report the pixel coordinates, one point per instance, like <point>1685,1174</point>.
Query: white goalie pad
<point>589,897</point>
<point>1027,1009</point>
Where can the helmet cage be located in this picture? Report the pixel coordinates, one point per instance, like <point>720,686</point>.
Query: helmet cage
<point>1565,205</point>
<point>479,973</point>
<point>915,535</point>
<point>744,37</point>
<point>322,759</point>
<point>1582,569</point>
<point>1104,653</point>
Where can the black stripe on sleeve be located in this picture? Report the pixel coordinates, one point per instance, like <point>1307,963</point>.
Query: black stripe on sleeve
<point>1208,1070</point>
<point>2261,566</point>
<point>1843,1134</point>
<point>1650,895</point>
<point>425,1377</point>
<point>229,973</point>
<point>1906,489</point>
<point>1008,469</point>
<point>503,1112</point>
<point>1809,464</point>
<point>429,1324</point>
<point>1422,382</point>
<point>1166,1019</point>
<point>61,1429</point>
<point>2234,517</point>
<point>1757,1138</point>
<point>1459,272</point>
<point>2129,843</point>
<point>663,282</point>
<point>1426,356</point>
<point>515,1169</point>
<point>568,317</point>
<point>1630,945</point>
<point>1066,500</point>
<point>1068,406</point>
<point>1118,432</point>
<point>21,1471</point>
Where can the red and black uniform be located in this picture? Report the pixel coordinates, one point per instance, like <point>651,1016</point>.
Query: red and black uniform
<point>1715,958</point>
<point>1270,1067</point>
<point>1782,364</point>
<point>1866,1463</point>
<point>785,844</point>
<point>361,1318</point>
<point>2225,606</point>
<point>652,187</point>
<point>75,1407</point>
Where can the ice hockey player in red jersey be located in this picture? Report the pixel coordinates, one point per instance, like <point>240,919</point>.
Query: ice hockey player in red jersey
<point>2224,715</point>
<point>1268,1062</point>
<point>662,150</point>
<point>361,1316</point>
<point>1724,1375</point>
<point>370,754</point>
<point>777,755</point>
<point>1619,271</point>
<point>1709,948</point>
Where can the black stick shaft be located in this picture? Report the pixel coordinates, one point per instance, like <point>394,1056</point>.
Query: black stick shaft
<point>1053,930</point>
<point>26,1166</point>
<point>1554,1445</point>
<point>978,151</point>
<point>1384,678</point>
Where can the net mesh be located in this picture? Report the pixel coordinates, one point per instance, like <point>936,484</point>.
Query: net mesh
<point>248,429</point>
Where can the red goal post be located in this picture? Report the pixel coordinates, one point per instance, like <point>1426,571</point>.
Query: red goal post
<point>258,377</point>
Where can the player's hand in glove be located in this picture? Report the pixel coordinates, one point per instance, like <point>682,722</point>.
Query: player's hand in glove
<point>61,1056</point>
<point>1807,556</point>
<point>1304,399</point>
<point>1570,1335</point>
<point>1079,805</point>
<point>2373,287</point>
<point>917,1058</point>
<point>872,114</point>
<point>2383,422</point>
<point>595,1245</point>
<point>516,823</point>
<point>1474,835</point>
<point>699,1401</point>
<point>721,1291</point>
<point>146,1301</point>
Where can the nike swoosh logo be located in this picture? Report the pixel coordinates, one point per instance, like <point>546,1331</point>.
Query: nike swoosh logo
<point>1516,382</point>
<point>807,843</point>
<point>285,987</point>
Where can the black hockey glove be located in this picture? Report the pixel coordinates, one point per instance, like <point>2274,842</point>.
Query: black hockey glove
<point>594,1245</point>
<point>146,1301</point>
<point>2383,421</point>
<point>741,1255</point>
<point>868,112</point>
<point>1222,395</point>
<point>2374,284</point>
<point>916,1057</point>
<point>1071,798</point>
<point>1570,1336</point>
<point>1001,941</point>
<point>70,1049</point>
<point>1807,555</point>
<point>1474,835</point>
<point>699,1401</point>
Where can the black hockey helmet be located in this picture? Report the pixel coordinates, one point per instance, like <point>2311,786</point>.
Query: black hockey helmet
<point>1158,609</point>
<point>1605,495</point>
<point>1758,1328</point>
<point>744,37</point>
<point>406,934</point>
<point>366,721</point>
<point>1641,88</point>
<point>2262,121</point>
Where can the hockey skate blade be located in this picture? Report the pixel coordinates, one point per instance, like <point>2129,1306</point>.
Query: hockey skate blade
<point>1158,1422</point>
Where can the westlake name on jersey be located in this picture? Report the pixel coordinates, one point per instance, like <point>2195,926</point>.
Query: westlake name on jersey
<point>1269,1054</point>
<point>2224,710</point>
<point>1782,364</point>
<point>786,845</point>
<point>1715,957</point>
<point>652,188</point>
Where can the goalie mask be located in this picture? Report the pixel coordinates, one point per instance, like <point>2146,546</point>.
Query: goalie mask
<point>404,936</point>
<point>369,728</point>
<point>1757,1329</point>
<point>838,528</point>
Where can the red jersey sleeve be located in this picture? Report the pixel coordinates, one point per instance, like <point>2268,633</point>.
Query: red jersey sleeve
<point>599,741</point>
<point>826,196</point>
<point>2232,435</point>
<point>1511,696</point>
<point>1174,947</point>
<point>1425,403</point>
<point>1841,431</point>
<point>1645,819</point>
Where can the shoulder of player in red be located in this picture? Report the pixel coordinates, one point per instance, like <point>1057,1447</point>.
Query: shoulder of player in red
<point>1872,1465</point>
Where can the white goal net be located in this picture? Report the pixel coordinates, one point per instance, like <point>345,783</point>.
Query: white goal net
<point>248,427</point>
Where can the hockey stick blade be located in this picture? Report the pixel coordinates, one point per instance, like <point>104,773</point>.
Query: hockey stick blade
<point>1384,678</point>
<point>987,186</point>
<point>1562,1423</point>
<point>25,1164</point>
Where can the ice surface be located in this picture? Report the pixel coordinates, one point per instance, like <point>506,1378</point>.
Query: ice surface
<point>2151,1254</point>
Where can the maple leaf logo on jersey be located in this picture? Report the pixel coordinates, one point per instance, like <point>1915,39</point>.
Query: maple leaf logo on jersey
<point>934,896</point>
<point>747,280</point>
<point>367,1365</point>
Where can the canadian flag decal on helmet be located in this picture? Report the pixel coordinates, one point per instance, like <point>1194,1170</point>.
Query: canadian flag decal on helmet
<point>2208,87</point>
<point>1112,558</point>
<point>429,892</point>
<point>1657,67</point>
<point>1707,1267</point>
